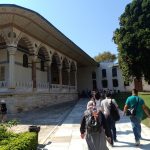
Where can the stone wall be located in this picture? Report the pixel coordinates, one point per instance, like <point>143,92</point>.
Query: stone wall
<point>24,102</point>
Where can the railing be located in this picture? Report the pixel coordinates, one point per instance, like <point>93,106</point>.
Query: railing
<point>3,84</point>
<point>24,86</point>
<point>43,86</point>
<point>40,87</point>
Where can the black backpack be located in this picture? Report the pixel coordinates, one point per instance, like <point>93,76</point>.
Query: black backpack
<point>114,113</point>
<point>92,124</point>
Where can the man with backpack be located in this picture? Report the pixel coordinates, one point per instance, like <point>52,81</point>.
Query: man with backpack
<point>105,106</point>
<point>94,128</point>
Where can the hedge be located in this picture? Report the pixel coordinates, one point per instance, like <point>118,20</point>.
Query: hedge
<point>21,141</point>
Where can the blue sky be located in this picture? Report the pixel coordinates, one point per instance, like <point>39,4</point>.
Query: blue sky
<point>88,23</point>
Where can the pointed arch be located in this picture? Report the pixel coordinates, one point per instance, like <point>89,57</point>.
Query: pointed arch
<point>43,57</point>
<point>26,45</point>
<point>43,50</point>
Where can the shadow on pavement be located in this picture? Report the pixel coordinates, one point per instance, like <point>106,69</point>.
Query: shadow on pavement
<point>43,116</point>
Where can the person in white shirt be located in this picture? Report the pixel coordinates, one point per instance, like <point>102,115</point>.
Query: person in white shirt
<point>105,106</point>
<point>98,101</point>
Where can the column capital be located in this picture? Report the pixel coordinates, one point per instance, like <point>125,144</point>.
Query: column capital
<point>11,49</point>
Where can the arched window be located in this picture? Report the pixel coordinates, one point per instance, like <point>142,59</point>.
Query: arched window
<point>25,61</point>
<point>103,73</point>
<point>114,72</point>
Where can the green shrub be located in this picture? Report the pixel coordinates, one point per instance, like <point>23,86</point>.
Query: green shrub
<point>4,134</point>
<point>23,141</point>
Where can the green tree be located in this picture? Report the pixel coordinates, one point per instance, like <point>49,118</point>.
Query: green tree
<point>133,40</point>
<point>105,56</point>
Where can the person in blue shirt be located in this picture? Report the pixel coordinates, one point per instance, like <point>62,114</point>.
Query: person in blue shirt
<point>135,101</point>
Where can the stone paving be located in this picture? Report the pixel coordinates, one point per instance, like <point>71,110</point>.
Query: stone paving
<point>47,118</point>
<point>60,129</point>
<point>67,136</point>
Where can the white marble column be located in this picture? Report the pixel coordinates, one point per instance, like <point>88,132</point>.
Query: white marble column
<point>12,50</point>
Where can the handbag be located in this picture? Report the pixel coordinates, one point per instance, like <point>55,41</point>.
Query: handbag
<point>132,111</point>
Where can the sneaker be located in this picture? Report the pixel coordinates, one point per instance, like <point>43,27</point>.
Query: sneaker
<point>137,143</point>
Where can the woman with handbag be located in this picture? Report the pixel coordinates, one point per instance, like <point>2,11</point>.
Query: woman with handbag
<point>134,107</point>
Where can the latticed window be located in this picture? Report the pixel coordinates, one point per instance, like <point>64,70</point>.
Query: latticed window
<point>25,60</point>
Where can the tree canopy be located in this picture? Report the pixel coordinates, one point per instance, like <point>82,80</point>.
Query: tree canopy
<point>105,56</point>
<point>133,40</point>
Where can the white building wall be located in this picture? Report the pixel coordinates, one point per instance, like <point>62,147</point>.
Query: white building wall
<point>22,74</point>
<point>108,66</point>
<point>84,78</point>
<point>41,76</point>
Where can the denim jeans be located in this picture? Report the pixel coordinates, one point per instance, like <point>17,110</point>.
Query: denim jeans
<point>136,126</point>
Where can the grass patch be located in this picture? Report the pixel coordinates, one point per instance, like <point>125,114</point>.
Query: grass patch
<point>121,99</point>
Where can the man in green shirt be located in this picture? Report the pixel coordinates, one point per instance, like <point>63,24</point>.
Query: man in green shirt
<point>135,101</point>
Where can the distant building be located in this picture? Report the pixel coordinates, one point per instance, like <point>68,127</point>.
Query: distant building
<point>109,76</point>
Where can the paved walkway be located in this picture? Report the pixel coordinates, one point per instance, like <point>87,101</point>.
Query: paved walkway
<point>60,128</point>
<point>67,136</point>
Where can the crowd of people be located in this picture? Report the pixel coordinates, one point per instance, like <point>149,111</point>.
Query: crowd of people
<point>97,101</point>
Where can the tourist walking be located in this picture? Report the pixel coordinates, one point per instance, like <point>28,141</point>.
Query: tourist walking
<point>98,101</point>
<point>95,130</point>
<point>136,102</point>
<point>105,107</point>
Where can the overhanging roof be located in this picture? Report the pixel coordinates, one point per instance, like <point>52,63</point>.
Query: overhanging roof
<point>37,26</point>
